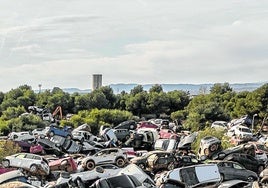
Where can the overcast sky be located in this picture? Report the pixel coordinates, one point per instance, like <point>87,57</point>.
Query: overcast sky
<point>61,43</point>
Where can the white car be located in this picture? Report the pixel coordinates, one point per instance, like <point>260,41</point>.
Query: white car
<point>196,175</point>
<point>84,136</point>
<point>219,125</point>
<point>241,132</point>
<point>110,155</point>
<point>19,136</point>
<point>31,162</point>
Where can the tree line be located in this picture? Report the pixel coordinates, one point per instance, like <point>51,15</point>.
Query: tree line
<point>102,106</point>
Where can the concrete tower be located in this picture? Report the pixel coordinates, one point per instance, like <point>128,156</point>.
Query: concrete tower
<point>96,81</point>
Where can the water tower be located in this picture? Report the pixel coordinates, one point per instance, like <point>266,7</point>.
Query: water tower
<point>96,81</point>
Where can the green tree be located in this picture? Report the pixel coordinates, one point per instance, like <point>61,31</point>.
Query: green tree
<point>137,89</point>
<point>156,88</point>
<point>137,104</point>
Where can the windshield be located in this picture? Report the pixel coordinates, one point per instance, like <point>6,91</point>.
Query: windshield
<point>188,176</point>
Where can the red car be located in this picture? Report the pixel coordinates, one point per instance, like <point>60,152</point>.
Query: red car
<point>168,133</point>
<point>146,124</point>
<point>4,170</point>
<point>67,164</point>
<point>36,149</point>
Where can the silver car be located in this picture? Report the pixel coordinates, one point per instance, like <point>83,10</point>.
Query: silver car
<point>110,155</point>
<point>31,162</point>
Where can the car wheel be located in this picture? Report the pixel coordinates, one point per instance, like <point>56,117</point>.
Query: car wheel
<point>120,162</point>
<point>90,165</point>
<point>250,179</point>
<point>141,165</point>
<point>51,134</point>
<point>171,166</point>
<point>222,177</point>
<point>63,165</point>
<point>127,137</point>
<point>5,163</point>
<point>260,169</point>
<point>33,168</point>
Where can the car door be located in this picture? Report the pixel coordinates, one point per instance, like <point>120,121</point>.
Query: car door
<point>252,163</point>
<point>161,162</point>
<point>18,160</point>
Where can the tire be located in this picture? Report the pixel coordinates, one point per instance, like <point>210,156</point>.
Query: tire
<point>127,137</point>
<point>171,166</point>
<point>250,179</point>
<point>120,162</point>
<point>222,177</point>
<point>51,134</point>
<point>6,163</point>
<point>260,169</point>
<point>33,168</point>
<point>63,165</point>
<point>213,147</point>
<point>141,165</point>
<point>90,165</point>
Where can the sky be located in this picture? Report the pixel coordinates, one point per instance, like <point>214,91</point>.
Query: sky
<point>62,43</point>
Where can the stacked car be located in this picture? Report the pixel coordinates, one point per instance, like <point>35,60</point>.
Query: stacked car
<point>134,154</point>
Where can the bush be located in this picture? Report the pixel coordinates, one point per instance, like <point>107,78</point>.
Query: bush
<point>8,147</point>
<point>211,132</point>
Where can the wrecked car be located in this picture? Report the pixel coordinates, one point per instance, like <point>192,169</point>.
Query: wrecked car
<point>248,161</point>
<point>155,161</point>
<point>196,175</point>
<point>30,162</point>
<point>166,144</point>
<point>129,181</point>
<point>209,146</point>
<point>230,170</point>
<point>67,164</point>
<point>110,155</point>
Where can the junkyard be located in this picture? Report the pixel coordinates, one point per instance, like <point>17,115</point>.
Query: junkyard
<point>147,153</point>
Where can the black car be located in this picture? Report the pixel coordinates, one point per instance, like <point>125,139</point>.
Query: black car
<point>50,147</point>
<point>130,125</point>
<point>123,180</point>
<point>248,161</point>
<point>230,170</point>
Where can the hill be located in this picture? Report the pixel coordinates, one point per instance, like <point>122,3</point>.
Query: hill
<point>193,89</point>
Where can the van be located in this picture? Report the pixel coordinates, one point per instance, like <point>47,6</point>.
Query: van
<point>197,175</point>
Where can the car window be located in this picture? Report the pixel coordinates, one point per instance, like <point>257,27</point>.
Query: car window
<point>135,181</point>
<point>20,156</point>
<point>237,166</point>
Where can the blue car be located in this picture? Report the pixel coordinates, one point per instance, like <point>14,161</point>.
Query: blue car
<point>64,132</point>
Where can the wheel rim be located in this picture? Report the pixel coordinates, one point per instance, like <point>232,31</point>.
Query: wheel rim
<point>260,169</point>
<point>250,178</point>
<point>142,166</point>
<point>120,162</point>
<point>5,163</point>
<point>33,168</point>
<point>90,165</point>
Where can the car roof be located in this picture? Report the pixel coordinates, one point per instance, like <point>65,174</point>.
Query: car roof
<point>10,175</point>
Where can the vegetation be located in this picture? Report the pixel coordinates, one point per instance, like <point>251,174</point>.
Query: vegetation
<point>102,106</point>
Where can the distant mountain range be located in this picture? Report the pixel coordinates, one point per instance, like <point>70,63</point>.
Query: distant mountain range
<point>193,89</point>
